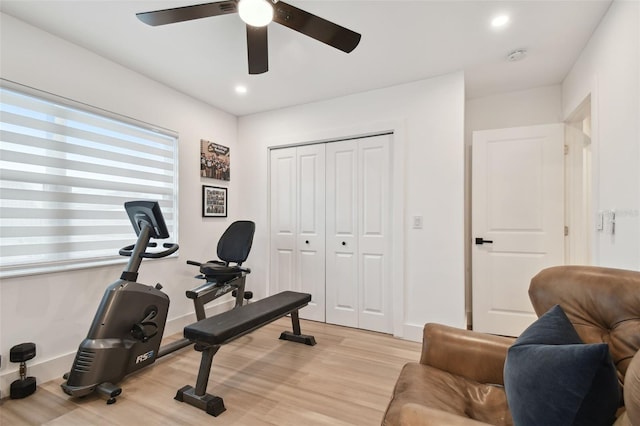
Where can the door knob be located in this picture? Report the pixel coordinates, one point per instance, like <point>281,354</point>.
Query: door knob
<point>306,242</point>
<point>480,241</point>
<point>344,244</point>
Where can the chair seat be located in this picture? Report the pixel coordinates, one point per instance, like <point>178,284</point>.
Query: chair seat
<point>219,272</point>
<point>434,388</point>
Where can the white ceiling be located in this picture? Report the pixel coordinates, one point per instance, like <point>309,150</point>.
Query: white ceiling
<point>402,41</point>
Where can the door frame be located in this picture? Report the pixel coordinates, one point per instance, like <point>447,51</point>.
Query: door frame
<point>397,129</point>
<point>579,188</point>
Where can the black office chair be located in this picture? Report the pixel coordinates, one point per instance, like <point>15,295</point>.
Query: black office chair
<point>226,274</point>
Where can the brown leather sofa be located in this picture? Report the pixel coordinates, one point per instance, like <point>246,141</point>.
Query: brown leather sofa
<point>459,379</point>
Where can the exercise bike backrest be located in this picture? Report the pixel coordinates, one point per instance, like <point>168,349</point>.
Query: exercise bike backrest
<point>235,243</point>
<point>148,222</point>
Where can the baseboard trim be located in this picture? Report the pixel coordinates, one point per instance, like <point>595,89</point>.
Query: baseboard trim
<point>413,332</point>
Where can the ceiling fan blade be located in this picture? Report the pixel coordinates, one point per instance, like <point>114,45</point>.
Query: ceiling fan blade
<point>257,49</point>
<point>315,27</point>
<point>187,13</point>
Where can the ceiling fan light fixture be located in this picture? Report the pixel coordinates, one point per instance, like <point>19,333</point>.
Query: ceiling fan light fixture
<point>256,13</point>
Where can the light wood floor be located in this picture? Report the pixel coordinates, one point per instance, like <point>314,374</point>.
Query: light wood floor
<point>346,379</point>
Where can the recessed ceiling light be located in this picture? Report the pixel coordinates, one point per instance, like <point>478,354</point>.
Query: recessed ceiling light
<point>241,90</point>
<point>499,21</point>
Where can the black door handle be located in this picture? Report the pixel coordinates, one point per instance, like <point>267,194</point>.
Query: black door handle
<point>480,241</point>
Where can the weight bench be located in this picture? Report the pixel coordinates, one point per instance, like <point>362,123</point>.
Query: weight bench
<point>211,333</point>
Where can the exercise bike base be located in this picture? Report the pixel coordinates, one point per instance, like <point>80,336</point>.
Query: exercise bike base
<point>213,405</point>
<point>109,391</point>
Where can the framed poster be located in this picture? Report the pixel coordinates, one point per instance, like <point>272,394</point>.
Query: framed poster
<point>215,160</point>
<point>214,201</point>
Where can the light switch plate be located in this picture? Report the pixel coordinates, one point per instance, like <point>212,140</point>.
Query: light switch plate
<point>417,222</point>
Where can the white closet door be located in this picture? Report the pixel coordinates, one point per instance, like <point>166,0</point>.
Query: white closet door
<point>358,234</point>
<point>342,233</point>
<point>283,182</point>
<point>374,278</point>
<point>311,229</point>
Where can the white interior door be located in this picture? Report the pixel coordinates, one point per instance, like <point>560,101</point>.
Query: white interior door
<point>342,233</point>
<point>297,188</point>
<point>374,276</point>
<point>283,190</point>
<point>310,242</point>
<point>517,221</point>
<point>358,234</point>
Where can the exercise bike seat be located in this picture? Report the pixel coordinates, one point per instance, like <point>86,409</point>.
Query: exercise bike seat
<point>221,273</point>
<point>233,249</point>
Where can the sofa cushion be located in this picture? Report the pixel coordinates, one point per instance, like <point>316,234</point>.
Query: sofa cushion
<point>436,389</point>
<point>412,414</point>
<point>552,378</point>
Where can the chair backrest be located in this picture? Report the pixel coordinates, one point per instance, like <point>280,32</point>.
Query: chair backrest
<point>235,243</point>
<point>603,304</point>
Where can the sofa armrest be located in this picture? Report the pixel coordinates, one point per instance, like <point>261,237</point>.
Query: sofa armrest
<point>476,356</point>
<point>412,414</point>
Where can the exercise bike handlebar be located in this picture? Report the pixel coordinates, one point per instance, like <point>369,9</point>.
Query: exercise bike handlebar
<point>171,248</point>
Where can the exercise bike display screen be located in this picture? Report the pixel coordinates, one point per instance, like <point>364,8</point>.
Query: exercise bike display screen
<point>141,212</point>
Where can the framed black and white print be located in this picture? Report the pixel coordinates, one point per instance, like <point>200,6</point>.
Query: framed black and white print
<point>214,201</point>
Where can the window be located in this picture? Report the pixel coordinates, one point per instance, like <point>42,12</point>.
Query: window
<point>66,170</point>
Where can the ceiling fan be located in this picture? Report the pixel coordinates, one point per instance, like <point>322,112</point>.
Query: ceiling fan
<point>257,14</point>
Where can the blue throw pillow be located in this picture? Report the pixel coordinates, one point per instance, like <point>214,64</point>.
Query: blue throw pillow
<point>553,379</point>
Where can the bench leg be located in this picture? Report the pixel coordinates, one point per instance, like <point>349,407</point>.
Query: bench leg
<point>296,336</point>
<point>198,396</point>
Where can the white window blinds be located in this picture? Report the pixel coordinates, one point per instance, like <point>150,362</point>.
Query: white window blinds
<point>66,170</point>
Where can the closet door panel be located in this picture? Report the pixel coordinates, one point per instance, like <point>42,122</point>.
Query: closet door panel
<point>283,193</point>
<point>283,264</point>
<point>311,228</point>
<point>373,272</point>
<point>342,233</point>
<point>374,237</point>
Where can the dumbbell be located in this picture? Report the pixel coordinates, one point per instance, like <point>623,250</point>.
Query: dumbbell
<point>24,386</point>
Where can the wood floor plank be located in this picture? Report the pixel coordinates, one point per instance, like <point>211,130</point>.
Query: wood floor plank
<point>346,379</point>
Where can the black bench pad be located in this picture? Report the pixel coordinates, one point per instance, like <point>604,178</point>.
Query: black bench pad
<point>228,325</point>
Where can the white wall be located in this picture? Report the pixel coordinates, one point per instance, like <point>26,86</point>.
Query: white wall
<point>609,69</point>
<point>428,117</point>
<point>541,105</point>
<point>55,310</point>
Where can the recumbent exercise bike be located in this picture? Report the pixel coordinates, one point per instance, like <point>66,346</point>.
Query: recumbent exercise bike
<point>127,329</point>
